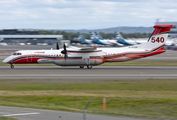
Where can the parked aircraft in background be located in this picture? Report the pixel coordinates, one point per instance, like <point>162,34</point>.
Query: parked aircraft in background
<point>90,56</point>
<point>121,40</point>
<point>3,44</point>
<point>97,39</point>
<point>83,40</point>
<point>113,42</point>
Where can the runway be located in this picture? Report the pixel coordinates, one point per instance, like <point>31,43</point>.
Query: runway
<point>97,73</point>
<point>39,114</point>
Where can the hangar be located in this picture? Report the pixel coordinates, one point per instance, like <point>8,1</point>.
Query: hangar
<point>15,36</point>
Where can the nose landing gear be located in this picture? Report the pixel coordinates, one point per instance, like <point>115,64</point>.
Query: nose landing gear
<point>12,66</point>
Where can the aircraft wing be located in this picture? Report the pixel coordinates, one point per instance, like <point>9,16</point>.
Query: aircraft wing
<point>90,49</point>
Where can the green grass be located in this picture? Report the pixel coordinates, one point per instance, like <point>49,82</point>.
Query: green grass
<point>142,98</point>
<point>111,64</point>
<point>135,85</point>
<point>6,118</point>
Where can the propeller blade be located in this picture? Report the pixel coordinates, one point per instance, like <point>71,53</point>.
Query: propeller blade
<point>57,46</point>
<point>64,52</point>
<point>64,46</point>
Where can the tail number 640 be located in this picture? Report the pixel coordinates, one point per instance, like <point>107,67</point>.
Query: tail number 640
<point>161,40</point>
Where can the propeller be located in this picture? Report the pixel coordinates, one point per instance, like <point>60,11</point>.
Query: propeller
<point>57,46</point>
<point>64,52</point>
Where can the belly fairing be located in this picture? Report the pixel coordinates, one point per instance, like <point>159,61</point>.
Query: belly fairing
<point>79,61</point>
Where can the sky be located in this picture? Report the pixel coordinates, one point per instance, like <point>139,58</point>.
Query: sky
<point>84,14</point>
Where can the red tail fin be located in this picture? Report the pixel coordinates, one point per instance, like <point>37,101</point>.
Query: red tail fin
<point>158,37</point>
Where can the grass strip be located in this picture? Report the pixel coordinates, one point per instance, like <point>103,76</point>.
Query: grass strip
<point>6,118</point>
<point>142,98</point>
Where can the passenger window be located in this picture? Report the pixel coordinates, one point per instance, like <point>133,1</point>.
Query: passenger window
<point>19,54</point>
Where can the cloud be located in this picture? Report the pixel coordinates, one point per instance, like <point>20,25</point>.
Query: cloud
<point>78,14</point>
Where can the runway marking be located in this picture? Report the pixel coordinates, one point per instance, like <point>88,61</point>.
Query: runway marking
<point>20,114</point>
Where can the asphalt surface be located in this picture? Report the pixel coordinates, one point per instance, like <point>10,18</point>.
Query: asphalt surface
<point>97,73</point>
<point>39,114</point>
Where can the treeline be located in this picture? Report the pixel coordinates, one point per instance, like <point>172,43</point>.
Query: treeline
<point>72,35</point>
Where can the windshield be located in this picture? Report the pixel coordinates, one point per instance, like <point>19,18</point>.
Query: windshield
<point>17,54</point>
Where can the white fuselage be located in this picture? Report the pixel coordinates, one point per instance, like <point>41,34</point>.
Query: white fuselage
<point>77,58</point>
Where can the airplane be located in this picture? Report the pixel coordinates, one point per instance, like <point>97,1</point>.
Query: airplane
<point>113,42</point>
<point>121,40</point>
<point>96,38</point>
<point>92,56</point>
<point>83,40</point>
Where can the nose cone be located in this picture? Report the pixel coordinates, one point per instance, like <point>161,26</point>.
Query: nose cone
<point>4,61</point>
<point>7,59</point>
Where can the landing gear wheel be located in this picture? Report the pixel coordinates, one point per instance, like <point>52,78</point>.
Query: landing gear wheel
<point>81,66</point>
<point>89,66</point>
<point>12,66</point>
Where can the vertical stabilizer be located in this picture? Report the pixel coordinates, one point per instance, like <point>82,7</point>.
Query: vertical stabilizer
<point>81,38</point>
<point>98,36</point>
<point>158,38</point>
<point>118,36</point>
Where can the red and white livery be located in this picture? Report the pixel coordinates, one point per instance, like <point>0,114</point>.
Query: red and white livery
<point>89,57</point>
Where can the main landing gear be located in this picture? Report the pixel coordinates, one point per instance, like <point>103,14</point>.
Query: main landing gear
<point>12,66</point>
<point>88,67</point>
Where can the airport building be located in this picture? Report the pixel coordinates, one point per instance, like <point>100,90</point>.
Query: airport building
<point>15,36</point>
<point>173,31</point>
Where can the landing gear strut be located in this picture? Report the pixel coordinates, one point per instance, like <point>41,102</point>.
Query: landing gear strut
<point>12,66</point>
<point>88,63</point>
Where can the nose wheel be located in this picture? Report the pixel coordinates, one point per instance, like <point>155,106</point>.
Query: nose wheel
<point>12,66</point>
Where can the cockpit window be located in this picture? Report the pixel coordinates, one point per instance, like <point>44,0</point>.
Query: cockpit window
<point>17,54</point>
